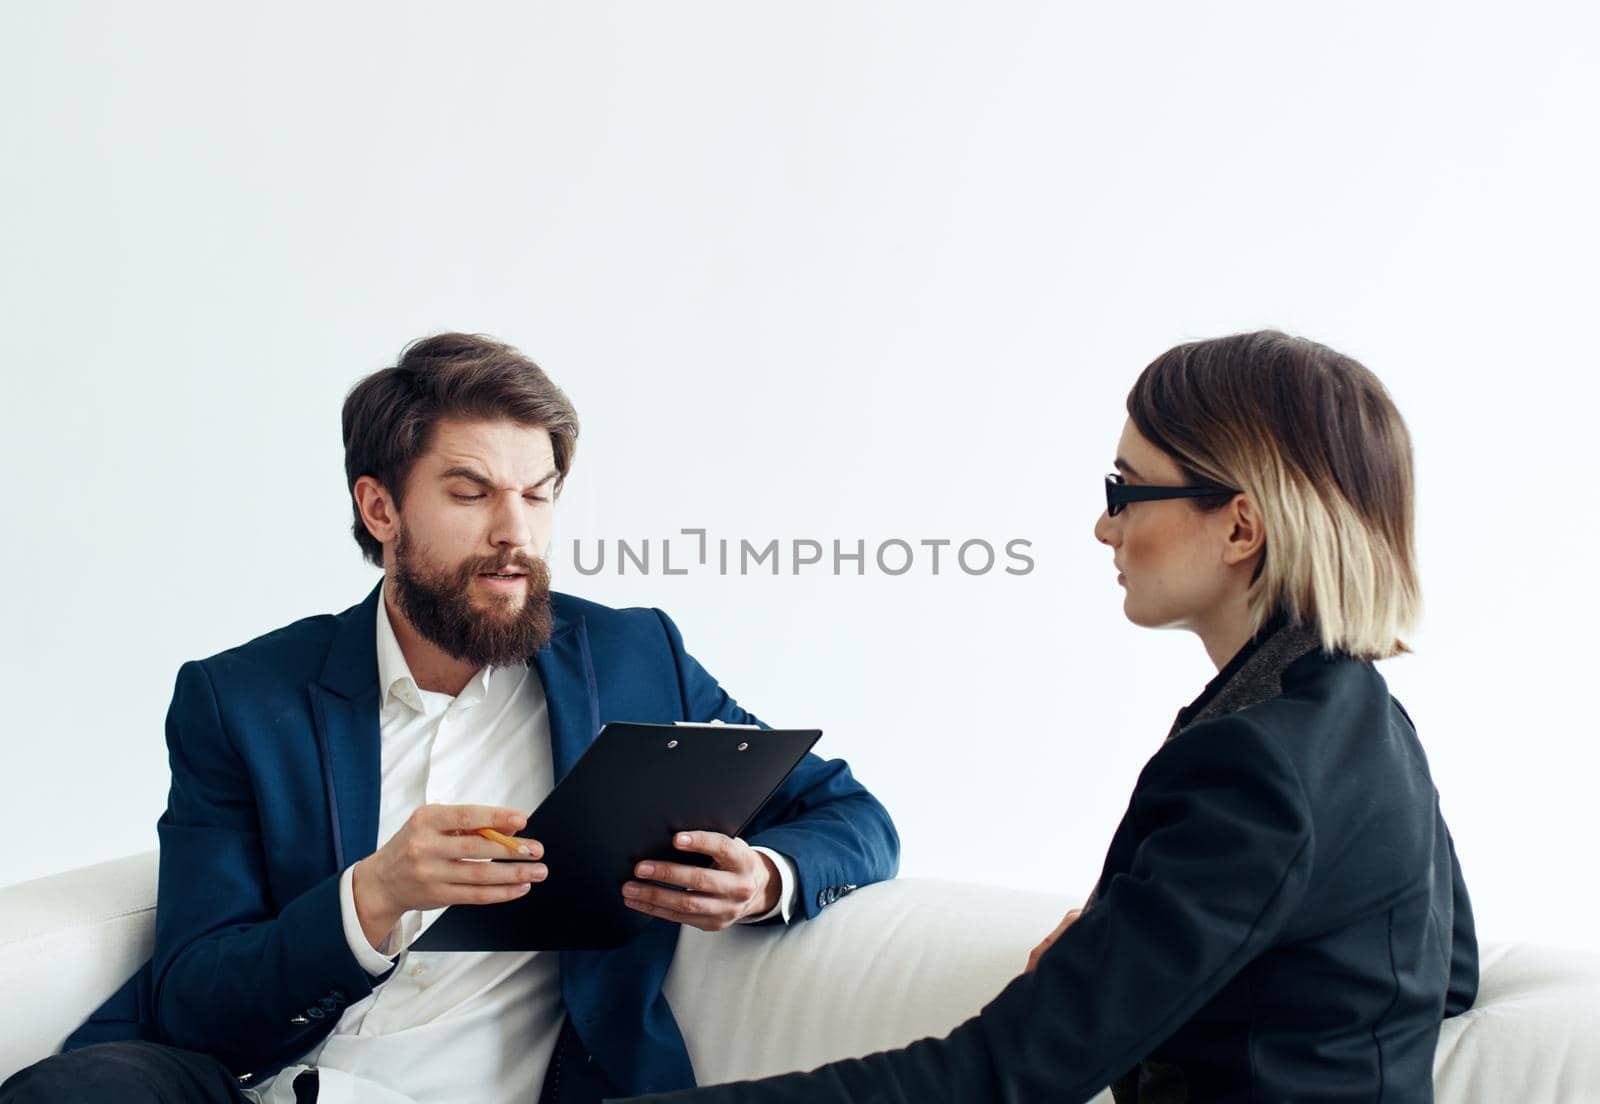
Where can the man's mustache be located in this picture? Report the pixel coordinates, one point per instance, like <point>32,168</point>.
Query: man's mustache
<point>519,564</point>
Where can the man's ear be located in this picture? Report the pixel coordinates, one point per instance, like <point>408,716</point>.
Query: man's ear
<point>1246,538</point>
<point>377,508</point>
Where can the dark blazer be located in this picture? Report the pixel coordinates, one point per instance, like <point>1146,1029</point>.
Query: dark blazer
<point>1280,917</point>
<point>274,748</point>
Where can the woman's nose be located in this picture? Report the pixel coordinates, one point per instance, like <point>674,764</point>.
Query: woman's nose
<point>1104,530</point>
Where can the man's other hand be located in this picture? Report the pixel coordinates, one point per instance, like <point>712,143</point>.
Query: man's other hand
<point>436,860</point>
<point>742,883</point>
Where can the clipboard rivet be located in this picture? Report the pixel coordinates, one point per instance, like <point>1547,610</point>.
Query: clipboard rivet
<point>742,747</point>
<point>672,743</point>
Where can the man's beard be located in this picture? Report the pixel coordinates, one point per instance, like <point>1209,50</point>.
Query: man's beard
<point>439,606</point>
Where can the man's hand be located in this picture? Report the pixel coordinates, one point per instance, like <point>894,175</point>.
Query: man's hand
<point>428,865</point>
<point>1049,940</point>
<point>743,883</point>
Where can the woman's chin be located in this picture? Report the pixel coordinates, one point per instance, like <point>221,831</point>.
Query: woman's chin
<point>1147,618</point>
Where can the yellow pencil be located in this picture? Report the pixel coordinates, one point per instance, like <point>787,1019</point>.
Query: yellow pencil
<point>509,843</point>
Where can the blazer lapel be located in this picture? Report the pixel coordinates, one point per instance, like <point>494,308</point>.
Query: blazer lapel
<point>344,702</point>
<point>567,671</point>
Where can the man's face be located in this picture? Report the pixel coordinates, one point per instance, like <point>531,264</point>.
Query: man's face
<point>467,564</point>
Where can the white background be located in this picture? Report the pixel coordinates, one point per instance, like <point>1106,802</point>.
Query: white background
<point>828,271</point>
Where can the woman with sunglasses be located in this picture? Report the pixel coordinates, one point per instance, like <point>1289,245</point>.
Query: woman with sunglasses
<point>1280,915</point>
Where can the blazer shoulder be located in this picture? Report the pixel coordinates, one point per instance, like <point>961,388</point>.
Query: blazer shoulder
<point>294,653</point>
<point>1359,760</point>
<point>1321,692</point>
<point>1317,673</point>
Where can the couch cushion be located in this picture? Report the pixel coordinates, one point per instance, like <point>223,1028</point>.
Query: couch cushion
<point>1533,1034</point>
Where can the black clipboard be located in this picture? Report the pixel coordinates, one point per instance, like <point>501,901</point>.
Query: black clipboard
<point>622,802</point>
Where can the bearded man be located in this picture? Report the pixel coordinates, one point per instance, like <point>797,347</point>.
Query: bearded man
<point>328,780</point>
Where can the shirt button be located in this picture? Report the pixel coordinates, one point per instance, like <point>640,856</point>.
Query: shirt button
<point>418,970</point>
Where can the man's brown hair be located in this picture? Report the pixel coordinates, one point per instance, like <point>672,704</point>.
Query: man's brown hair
<point>389,416</point>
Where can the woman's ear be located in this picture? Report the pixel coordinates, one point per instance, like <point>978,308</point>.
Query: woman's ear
<point>1246,539</point>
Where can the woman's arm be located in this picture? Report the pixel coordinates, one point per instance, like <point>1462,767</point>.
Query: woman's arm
<point>1221,844</point>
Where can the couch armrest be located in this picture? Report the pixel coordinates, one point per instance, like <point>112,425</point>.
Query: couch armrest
<point>891,963</point>
<point>67,942</point>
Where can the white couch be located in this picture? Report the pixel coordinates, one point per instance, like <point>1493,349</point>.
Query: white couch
<point>890,964</point>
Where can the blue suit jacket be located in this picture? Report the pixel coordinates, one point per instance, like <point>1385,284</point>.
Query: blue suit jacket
<point>274,749</point>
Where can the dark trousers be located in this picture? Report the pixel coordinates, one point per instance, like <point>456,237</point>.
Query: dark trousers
<point>130,1073</point>
<point>573,1077</point>
<point>149,1073</point>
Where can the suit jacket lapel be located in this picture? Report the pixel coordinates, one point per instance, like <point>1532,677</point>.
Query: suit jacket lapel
<point>344,702</point>
<point>565,668</point>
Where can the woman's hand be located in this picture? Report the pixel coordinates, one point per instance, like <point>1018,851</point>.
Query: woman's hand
<point>1049,940</point>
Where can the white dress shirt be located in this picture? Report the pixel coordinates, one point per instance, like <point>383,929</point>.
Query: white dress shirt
<point>450,1027</point>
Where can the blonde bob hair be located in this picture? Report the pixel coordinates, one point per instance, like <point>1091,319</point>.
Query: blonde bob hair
<point>1314,439</point>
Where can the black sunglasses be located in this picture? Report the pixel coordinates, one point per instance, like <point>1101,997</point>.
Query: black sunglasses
<point>1119,494</point>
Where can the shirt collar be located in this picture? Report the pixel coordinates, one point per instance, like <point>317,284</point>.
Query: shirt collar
<point>394,673</point>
